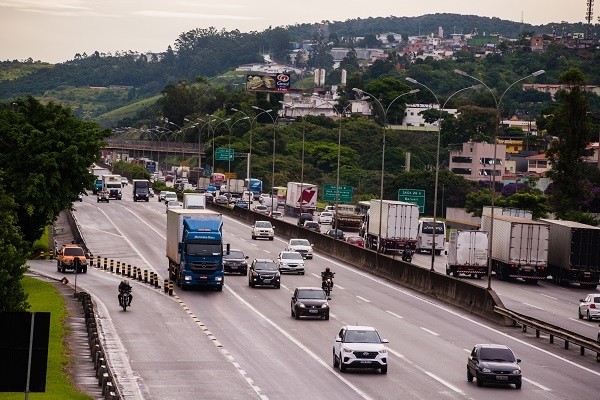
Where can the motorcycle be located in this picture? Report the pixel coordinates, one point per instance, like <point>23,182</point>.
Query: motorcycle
<point>125,299</point>
<point>328,285</point>
<point>407,255</point>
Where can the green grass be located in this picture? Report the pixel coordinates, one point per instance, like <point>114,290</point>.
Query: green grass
<point>43,297</point>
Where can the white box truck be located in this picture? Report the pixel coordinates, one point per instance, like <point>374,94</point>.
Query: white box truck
<point>194,201</point>
<point>467,253</point>
<point>399,225</point>
<point>300,197</point>
<point>574,253</point>
<point>113,185</point>
<point>519,247</point>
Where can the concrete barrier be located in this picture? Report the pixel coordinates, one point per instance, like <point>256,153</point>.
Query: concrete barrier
<point>460,293</point>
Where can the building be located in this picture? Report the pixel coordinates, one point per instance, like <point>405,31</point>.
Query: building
<point>412,116</point>
<point>538,164</point>
<point>475,161</point>
<point>554,88</point>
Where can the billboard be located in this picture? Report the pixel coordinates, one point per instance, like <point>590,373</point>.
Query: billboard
<point>268,83</point>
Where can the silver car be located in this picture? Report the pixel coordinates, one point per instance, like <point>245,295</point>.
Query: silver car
<point>589,307</point>
<point>290,262</point>
<point>302,246</point>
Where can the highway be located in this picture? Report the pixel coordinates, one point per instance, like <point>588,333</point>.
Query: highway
<point>242,342</point>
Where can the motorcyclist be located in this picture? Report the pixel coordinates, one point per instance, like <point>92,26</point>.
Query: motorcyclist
<point>124,286</point>
<point>326,274</point>
<point>407,252</point>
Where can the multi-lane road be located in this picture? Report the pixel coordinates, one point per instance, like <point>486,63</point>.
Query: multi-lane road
<point>242,342</point>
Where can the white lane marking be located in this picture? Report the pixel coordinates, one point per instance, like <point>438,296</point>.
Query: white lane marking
<point>548,296</point>
<point>363,299</point>
<point>581,321</point>
<point>430,374</point>
<point>299,344</point>
<point>394,314</point>
<point>455,313</point>
<point>531,305</point>
<point>447,310</point>
<point>537,384</point>
<point>338,286</point>
<point>430,331</point>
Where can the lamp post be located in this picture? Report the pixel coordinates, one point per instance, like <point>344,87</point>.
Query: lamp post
<point>249,161</point>
<point>437,158</point>
<point>221,120</point>
<point>493,188</point>
<point>268,112</point>
<point>385,111</point>
<point>339,146</point>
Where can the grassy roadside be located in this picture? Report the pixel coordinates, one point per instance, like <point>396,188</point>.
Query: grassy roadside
<point>44,297</point>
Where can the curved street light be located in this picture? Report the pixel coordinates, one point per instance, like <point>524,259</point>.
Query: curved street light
<point>221,120</point>
<point>437,157</point>
<point>360,92</point>
<point>493,188</point>
<point>268,112</point>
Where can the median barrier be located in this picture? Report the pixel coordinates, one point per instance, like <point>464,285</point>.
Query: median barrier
<point>475,299</point>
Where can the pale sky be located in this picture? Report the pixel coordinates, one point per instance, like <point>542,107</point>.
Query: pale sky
<point>55,30</point>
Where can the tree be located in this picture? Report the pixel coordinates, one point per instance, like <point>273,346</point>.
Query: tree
<point>14,255</point>
<point>570,124</point>
<point>45,154</point>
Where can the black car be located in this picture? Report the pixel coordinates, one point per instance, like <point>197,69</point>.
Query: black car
<point>313,226</point>
<point>336,234</point>
<point>493,363</point>
<point>309,302</point>
<point>264,272</point>
<point>304,217</point>
<point>235,262</point>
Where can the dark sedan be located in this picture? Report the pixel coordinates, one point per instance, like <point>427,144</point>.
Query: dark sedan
<point>493,363</point>
<point>336,234</point>
<point>309,302</point>
<point>235,262</point>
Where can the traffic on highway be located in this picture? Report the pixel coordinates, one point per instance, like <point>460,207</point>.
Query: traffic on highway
<point>370,338</point>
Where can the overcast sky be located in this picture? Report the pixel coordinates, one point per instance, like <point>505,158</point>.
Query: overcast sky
<point>55,30</point>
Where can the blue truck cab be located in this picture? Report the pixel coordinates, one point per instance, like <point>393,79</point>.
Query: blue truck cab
<point>198,245</point>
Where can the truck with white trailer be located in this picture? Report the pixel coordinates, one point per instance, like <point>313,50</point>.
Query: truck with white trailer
<point>113,184</point>
<point>574,253</point>
<point>467,253</point>
<point>519,247</point>
<point>398,227</point>
<point>300,197</point>
<point>195,201</point>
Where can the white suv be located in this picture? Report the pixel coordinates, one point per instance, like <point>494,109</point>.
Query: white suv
<point>359,347</point>
<point>302,246</point>
<point>262,229</point>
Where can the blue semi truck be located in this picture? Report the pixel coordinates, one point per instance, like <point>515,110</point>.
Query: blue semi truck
<point>195,248</point>
<point>255,186</point>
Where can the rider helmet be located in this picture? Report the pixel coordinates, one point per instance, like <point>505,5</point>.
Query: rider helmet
<point>327,269</point>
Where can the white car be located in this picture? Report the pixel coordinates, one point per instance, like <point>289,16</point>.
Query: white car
<point>290,261</point>
<point>263,229</point>
<point>302,246</point>
<point>171,205</point>
<point>589,307</point>
<point>170,196</point>
<point>326,217</point>
<point>359,347</point>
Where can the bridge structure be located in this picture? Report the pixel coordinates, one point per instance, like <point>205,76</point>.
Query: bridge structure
<point>122,149</point>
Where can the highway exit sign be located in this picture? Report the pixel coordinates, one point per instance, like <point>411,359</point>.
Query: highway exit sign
<point>415,196</point>
<point>344,193</point>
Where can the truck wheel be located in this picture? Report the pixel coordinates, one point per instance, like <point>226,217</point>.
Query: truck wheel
<point>455,274</point>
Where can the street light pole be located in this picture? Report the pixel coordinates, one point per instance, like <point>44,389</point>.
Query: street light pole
<point>493,185</point>
<point>437,159</point>
<point>221,120</point>
<point>268,112</point>
<point>249,161</point>
<point>385,111</point>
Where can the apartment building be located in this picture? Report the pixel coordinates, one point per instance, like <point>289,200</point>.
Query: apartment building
<point>475,161</point>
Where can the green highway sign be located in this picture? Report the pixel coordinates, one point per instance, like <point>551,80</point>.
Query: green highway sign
<point>344,193</point>
<point>415,196</point>
<point>224,154</point>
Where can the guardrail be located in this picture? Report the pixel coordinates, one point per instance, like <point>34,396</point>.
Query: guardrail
<point>553,331</point>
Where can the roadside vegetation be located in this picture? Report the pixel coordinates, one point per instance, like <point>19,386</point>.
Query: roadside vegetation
<point>43,297</point>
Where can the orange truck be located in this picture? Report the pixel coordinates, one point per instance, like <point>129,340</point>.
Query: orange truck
<point>71,256</point>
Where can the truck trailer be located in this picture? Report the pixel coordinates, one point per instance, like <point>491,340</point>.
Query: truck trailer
<point>300,197</point>
<point>195,248</point>
<point>574,253</point>
<point>467,253</point>
<point>113,184</point>
<point>519,247</point>
<point>346,217</point>
<point>195,201</point>
<point>98,172</point>
<point>399,225</point>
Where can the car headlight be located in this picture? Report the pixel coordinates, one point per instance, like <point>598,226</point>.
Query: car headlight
<point>218,279</point>
<point>325,305</point>
<point>384,351</point>
<point>486,370</point>
<point>347,350</point>
<point>301,305</point>
<point>516,372</point>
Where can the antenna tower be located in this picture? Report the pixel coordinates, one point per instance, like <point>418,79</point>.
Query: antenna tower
<point>589,15</point>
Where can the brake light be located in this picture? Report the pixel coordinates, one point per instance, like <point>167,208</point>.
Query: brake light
<point>592,305</point>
